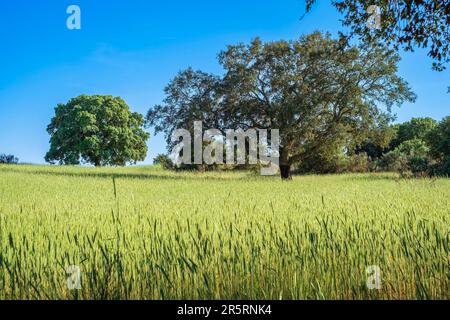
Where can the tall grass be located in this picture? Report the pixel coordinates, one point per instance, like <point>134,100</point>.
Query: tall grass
<point>143,233</point>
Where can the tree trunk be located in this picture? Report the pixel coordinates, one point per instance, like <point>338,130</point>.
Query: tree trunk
<point>285,165</point>
<point>285,172</point>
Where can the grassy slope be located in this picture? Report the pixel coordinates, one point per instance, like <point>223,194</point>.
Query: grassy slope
<point>220,235</point>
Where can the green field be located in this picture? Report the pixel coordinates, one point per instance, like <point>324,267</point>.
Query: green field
<point>144,233</point>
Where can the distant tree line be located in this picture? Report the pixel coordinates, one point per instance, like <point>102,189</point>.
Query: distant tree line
<point>8,159</point>
<point>419,147</point>
<point>416,148</point>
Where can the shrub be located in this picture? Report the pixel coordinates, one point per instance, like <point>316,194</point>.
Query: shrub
<point>164,161</point>
<point>324,162</point>
<point>394,161</point>
<point>420,166</point>
<point>358,163</point>
<point>444,169</point>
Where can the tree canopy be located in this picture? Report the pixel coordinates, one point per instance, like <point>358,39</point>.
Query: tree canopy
<point>190,96</point>
<point>314,90</point>
<point>416,128</point>
<point>439,140</point>
<point>99,130</point>
<point>420,147</point>
<point>407,24</point>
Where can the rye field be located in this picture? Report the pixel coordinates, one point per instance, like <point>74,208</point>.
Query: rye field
<point>145,233</point>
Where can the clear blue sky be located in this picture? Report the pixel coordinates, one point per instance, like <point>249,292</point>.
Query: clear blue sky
<point>133,48</point>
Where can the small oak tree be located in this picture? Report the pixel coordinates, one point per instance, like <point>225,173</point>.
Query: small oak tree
<point>100,130</point>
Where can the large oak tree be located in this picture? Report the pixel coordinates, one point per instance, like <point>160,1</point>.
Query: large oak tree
<point>314,90</point>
